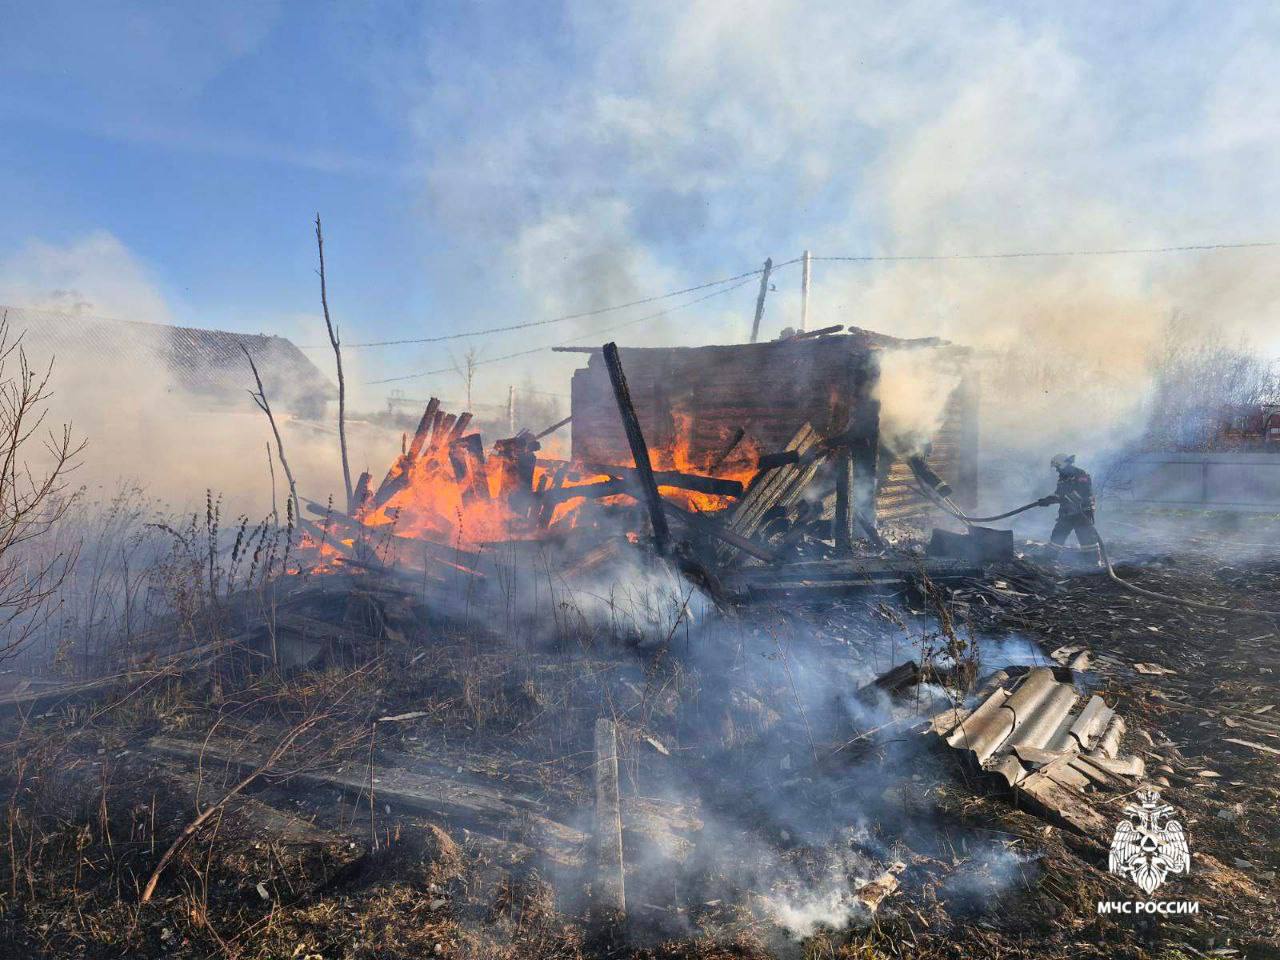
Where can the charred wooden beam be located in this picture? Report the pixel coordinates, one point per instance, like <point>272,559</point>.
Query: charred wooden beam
<point>354,529</point>
<point>864,453</point>
<point>360,494</point>
<point>424,428</point>
<point>553,428</point>
<point>470,449</point>
<point>639,449</point>
<point>548,504</point>
<point>393,484</point>
<point>733,445</point>
<point>443,431</point>
<point>519,456</point>
<point>842,526</point>
<point>436,420</point>
<point>714,528</point>
<point>783,458</point>
<point>771,461</point>
<point>602,488</point>
<point>809,334</point>
<point>460,427</point>
<point>664,478</point>
<point>891,682</point>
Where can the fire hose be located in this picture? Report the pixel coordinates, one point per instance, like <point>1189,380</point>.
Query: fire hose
<point>948,505</point>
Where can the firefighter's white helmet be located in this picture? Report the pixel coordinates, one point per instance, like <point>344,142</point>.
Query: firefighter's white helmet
<point>1061,460</point>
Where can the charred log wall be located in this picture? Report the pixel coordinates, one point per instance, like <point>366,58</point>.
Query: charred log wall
<point>697,398</point>
<point>703,395</point>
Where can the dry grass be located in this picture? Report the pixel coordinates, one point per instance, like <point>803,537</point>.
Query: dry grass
<point>737,708</point>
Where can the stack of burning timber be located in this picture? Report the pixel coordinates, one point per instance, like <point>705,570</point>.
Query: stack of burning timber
<point>801,519</point>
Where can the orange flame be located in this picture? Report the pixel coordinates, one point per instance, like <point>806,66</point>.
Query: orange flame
<point>449,495</point>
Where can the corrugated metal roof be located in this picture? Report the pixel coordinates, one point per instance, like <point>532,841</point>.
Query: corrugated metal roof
<point>207,363</point>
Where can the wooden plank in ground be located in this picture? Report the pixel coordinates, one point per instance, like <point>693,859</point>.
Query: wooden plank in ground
<point>421,786</point>
<point>1067,805</point>
<point>609,904</point>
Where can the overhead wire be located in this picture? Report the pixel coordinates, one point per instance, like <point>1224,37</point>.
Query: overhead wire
<point>860,258</point>
<point>1029,254</point>
<point>528,324</point>
<point>592,335</point>
<point>740,279</point>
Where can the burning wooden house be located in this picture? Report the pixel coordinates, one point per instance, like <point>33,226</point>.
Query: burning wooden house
<point>787,452</point>
<point>707,408</point>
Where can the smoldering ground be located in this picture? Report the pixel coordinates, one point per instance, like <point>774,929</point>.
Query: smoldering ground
<point>750,726</point>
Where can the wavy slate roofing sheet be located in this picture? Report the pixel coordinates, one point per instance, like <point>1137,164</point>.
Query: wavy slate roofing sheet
<point>1045,740</point>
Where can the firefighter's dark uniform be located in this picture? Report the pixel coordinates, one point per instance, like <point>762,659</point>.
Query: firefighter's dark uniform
<point>1074,495</point>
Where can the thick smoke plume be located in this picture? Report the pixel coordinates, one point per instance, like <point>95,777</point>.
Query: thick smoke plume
<point>913,388</point>
<point>140,424</point>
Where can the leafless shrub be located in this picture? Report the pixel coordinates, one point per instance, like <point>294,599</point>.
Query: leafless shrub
<point>34,466</point>
<point>1197,378</point>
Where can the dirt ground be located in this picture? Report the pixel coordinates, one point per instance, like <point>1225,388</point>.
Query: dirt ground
<point>459,824</point>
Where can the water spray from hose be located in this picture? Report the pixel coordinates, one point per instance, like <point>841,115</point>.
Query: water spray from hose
<point>935,489</point>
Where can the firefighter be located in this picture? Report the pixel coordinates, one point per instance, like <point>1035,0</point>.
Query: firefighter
<point>1074,496</point>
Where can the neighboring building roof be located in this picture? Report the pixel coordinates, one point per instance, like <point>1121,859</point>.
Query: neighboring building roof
<point>209,364</point>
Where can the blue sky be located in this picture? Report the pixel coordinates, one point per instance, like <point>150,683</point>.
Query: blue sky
<point>486,163</point>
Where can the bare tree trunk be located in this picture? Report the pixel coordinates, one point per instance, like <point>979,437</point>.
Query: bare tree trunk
<point>337,353</point>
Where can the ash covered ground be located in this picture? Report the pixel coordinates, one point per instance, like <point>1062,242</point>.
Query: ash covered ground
<point>419,779</point>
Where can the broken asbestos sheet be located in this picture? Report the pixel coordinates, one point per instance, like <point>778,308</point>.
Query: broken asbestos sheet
<point>1054,747</point>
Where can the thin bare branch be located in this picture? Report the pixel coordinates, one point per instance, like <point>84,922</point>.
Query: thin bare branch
<point>337,354</point>
<point>260,398</point>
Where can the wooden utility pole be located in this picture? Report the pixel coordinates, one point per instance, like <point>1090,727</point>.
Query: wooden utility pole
<point>764,288</point>
<point>511,409</point>
<point>804,294</point>
<point>639,450</point>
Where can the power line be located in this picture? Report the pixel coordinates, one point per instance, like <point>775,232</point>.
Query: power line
<point>560,319</point>
<point>1054,253</point>
<point>904,258</point>
<point>589,336</point>
<point>741,278</point>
